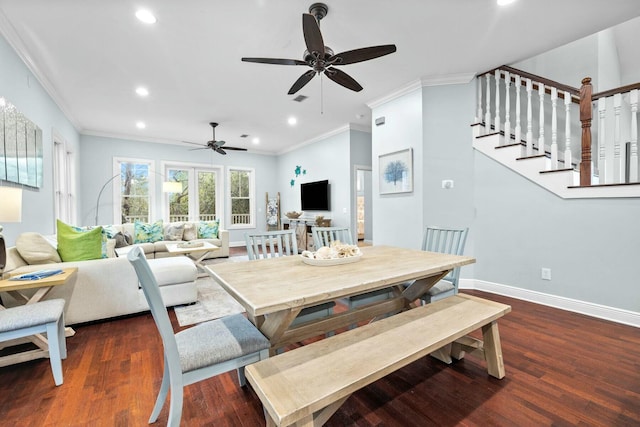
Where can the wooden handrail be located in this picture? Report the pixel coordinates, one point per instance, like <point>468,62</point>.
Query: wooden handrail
<point>547,82</point>
<point>610,92</point>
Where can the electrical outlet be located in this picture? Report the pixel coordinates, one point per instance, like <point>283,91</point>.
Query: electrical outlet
<point>546,273</point>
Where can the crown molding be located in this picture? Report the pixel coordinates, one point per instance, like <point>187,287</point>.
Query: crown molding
<point>450,79</point>
<point>17,44</point>
<point>344,128</point>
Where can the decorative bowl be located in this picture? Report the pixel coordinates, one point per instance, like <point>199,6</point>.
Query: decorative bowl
<point>293,214</point>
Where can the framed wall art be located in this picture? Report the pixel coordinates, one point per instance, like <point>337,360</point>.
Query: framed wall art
<point>396,172</point>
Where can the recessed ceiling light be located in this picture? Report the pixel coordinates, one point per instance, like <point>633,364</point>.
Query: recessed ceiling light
<point>505,2</point>
<point>292,121</point>
<point>141,125</point>
<point>146,16</point>
<point>256,141</point>
<point>142,91</point>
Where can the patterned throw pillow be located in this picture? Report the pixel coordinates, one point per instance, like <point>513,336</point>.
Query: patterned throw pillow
<point>208,229</point>
<point>174,232</point>
<point>74,245</point>
<point>148,233</point>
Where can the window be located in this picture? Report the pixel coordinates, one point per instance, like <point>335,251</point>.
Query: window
<point>133,191</point>
<point>242,196</point>
<point>199,199</point>
<point>63,180</point>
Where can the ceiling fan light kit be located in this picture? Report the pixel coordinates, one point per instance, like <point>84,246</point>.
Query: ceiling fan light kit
<point>320,58</point>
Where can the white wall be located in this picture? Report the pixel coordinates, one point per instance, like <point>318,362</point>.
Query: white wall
<point>397,218</point>
<point>19,87</point>
<point>330,158</point>
<point>97,167</point>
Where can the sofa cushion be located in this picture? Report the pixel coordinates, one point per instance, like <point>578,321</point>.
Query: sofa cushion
<point>173,270</point>
<point>123,239</point>
<point>190,231</point>
<point>208,229</point>
<point>74,245</point>
<point>174,232</point>
<point>35,249</point>
<point>148,233</point>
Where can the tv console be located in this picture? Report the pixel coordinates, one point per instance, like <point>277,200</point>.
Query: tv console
<point>303,230</point>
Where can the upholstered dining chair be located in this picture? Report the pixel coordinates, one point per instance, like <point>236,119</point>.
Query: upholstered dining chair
<point>324,236</point>
<point>272,244</point>
<point>448,241</point>
<point>200,352</point>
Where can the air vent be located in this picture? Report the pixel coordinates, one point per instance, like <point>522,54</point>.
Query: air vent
<point>300,98</point>
<point>244,135</point>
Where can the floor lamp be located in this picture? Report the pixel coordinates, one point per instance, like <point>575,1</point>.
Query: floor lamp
<point>10,211</point>
<point>167,187</point>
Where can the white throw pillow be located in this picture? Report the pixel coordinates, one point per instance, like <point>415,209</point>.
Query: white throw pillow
<point>35,249</point>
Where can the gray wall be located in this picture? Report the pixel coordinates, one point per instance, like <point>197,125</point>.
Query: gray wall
<point>19,87</point>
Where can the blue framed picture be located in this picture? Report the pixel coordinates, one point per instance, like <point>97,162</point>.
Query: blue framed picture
<point>396,172</point>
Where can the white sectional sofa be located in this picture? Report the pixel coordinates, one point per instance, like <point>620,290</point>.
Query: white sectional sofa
<point>105,288</point>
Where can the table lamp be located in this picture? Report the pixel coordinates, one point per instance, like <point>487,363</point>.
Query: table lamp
<point>10,211</point>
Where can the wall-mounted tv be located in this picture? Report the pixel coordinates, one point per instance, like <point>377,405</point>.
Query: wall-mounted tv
<point>315,196</point>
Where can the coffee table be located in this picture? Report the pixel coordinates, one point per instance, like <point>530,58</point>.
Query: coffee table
<point>201,252</point>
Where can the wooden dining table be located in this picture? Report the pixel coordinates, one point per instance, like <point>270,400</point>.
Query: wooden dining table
<point>274,290</point>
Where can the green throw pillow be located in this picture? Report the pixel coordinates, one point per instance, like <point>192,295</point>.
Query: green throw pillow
<point>208,229</point>
<point>148,233</point>
<point>74,245</point>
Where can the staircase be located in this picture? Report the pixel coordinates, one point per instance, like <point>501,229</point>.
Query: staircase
<point>557,160</point>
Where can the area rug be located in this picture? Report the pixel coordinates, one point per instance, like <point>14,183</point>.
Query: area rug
<point>213,301</point>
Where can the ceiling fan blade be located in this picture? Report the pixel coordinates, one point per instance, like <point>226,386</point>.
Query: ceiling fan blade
<point>219,143</point>
<point>201,148</point>
<point>312,34</point>
<point>220,150</point>
<point>275,61</point>
<point>235,148</point>
<point>363,54</point>
<point>303,80</point>
<point>343,79</point>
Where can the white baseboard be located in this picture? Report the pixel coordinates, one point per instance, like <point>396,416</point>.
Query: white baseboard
<point>613,314</point>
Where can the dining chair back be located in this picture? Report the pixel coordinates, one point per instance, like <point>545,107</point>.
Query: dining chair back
<point>448,241</point>
<point>324,236</point>
<point>197,353</point>
<point>271,244</point>
<point>283,243</point>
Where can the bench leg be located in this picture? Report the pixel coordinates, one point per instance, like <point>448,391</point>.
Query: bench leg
<point>443,354</point>
<point>493,350</point>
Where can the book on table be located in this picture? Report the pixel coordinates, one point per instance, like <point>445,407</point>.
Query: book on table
<point>37,275</point>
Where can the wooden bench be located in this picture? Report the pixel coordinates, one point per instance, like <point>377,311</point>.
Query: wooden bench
<point>307,385</point>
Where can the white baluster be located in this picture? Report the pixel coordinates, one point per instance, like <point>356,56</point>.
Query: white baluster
<point>618,160</point>
<point>487,117</point>
<point>518,129</point>
<point>602,157</point>
<point>541,120</point>
<point>479,112</point>
<point>496,122</point>
<point>633,165</point>
<point>568,160</point>
<point>554,128</point>
<point>529,119</point>
<point>507,108</point>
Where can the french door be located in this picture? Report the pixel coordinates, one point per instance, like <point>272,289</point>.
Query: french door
<point>201,195</point>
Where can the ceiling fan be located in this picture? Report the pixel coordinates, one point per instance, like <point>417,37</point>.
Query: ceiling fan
<point>321,58</point>
<point>214,145</point>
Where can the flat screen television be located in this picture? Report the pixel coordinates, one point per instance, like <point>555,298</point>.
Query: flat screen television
<point>315,196</point>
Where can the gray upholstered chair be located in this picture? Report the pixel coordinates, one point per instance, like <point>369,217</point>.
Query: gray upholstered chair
<point>283,243</point>
<point>448,241</point>
<point>203,351</point>
<point>40,317</point>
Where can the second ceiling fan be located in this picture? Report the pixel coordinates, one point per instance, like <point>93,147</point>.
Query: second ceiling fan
<point>321,58</point>
<point>217,146</point>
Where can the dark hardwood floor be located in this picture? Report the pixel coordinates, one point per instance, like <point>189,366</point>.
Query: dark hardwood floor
<point>562,369</point>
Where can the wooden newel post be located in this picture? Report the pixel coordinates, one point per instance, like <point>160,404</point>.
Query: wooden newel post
<point>585,118</point>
